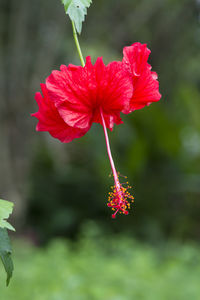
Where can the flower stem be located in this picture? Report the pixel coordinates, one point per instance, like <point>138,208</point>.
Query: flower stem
<point>78,45</point>
<point>109,152</point>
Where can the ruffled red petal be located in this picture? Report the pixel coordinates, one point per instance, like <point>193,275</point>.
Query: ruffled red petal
<point>79,93</point>
<point>145,84</point>
<point>51,121</point>
<point>135,58</point>
<point>146,90</point>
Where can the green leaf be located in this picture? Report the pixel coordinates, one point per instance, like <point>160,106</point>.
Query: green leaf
<point>5,253</point>
<point>6,208</point>
<point>77,9</point>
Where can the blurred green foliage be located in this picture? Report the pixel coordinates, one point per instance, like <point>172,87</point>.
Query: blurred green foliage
<point>58,187</point>
<point>98,267</point>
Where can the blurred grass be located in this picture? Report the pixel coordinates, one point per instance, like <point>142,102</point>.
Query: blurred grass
<point>96,268</point>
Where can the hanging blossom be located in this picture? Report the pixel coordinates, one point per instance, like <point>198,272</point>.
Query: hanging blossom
<point>75,97</point>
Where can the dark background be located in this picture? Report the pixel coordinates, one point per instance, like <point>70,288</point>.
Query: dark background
<point>58,187</point>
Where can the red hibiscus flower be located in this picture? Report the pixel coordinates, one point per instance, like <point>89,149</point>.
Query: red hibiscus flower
<point>75,97</point>
<point>78,93</point>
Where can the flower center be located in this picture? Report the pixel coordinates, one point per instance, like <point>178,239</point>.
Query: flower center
<point>119,199</point>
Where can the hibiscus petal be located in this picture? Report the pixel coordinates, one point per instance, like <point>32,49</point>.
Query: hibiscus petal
<point>144,81</point>
<point>51,121</point>
<point>146,90</point>
<point>135,58</point>
<point>73,117</point>
<point>113,93</point>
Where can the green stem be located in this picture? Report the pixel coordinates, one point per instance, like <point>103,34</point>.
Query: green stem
<point>78,45</point>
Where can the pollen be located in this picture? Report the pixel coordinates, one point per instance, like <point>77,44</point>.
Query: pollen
<point>119,199</point>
